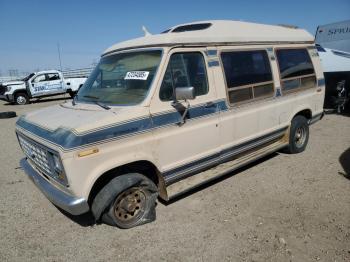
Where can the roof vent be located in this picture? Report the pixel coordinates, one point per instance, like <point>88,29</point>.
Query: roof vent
<point>289,26</point>
<point>166,31</point>
<point>191,27</point>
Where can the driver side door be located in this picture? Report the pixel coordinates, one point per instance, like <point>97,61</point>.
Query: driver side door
<point>38,85</point>
<point>185,149</point>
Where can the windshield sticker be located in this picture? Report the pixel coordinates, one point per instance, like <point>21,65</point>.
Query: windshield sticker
<point>136,75</point>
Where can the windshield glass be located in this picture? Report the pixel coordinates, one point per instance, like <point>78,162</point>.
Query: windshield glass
<point>28,77</point>
<point>121,79</point>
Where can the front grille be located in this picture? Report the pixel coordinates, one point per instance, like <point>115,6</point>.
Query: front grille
<point>37,153</point>
<point>2,89</point>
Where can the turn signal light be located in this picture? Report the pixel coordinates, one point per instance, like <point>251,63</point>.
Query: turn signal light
<point>88,152</point>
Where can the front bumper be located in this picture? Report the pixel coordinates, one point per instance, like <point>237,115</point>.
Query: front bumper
<point>69,203</point>
<point>7,98</point>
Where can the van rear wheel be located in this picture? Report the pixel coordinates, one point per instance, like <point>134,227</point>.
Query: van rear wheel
<point>126,201</point>
<point>299,135</point>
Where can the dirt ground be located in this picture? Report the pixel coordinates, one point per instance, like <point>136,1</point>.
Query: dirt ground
<point>283,208</point>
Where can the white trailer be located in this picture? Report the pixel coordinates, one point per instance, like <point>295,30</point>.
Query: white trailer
<point>333,45</point>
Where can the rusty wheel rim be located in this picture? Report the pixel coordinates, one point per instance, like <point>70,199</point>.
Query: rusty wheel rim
<point>129,206</point>
<point>300,136</point>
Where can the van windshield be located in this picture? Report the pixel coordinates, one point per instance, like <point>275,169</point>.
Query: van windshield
<point>121,79</point>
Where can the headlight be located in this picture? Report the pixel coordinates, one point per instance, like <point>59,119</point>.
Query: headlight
<point>57,164</point>
<point>57,169</point>
<point>8,88</point>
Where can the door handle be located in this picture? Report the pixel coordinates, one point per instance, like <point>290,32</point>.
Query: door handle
<point>209,105</point>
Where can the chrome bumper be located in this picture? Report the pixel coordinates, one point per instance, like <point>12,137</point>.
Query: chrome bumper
<point>69,203</point>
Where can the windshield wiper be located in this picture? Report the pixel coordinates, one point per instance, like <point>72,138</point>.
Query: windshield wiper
<point>93,97</point>
<point>98,103</point>
<point>102,105</point>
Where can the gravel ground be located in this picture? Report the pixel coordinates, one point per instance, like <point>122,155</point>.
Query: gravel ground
<point>283,208</point>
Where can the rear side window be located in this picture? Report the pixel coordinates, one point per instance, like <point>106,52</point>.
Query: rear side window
<point>184,70</point>
<point>53,76</point>
<point>296,69</point>
<point>248,75</point>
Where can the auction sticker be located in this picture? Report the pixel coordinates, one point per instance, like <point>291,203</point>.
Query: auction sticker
<point>136,75</point>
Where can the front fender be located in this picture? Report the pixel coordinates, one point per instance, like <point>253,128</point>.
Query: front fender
<point>83,172</point>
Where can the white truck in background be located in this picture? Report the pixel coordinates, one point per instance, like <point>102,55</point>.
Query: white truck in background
<point>38,85</point>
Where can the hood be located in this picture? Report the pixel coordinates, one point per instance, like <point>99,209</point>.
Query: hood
<point>70,126</point>
<point>12,83</point>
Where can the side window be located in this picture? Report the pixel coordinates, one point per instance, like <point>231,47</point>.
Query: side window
<point>296,69</point>
<point>248,75</point>
<point>184,70</point>
<point>39,78</point>
<point>52,77</point>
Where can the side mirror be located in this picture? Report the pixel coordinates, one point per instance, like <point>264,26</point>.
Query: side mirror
<point>184,93</point>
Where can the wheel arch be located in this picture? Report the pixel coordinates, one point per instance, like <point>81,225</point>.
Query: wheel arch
<point>290,136</point>
<point>21,91</point>
<point>305,112</point>
<point>25,91</point>
<point>144,167</point>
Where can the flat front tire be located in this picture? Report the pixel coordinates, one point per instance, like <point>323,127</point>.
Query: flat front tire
<point>298,135</point>
<point>126,201</point>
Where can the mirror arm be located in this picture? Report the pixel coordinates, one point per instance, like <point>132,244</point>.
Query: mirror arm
<point>180,107</point>
<point>184,115</point>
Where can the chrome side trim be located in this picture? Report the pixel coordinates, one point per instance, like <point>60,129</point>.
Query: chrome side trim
<point>69,203</point>
<point>174,175</point>
<point>316,118</point>
<point>186,185</point>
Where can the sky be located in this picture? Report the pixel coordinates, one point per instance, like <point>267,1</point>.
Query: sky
<point>30,31</point>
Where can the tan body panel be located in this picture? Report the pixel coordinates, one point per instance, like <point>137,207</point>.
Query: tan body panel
<point>171,146</point>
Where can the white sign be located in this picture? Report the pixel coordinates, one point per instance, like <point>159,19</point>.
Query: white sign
<point>136,75</point>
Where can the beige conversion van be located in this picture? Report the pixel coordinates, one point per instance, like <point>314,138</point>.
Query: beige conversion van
<point>164,113</point>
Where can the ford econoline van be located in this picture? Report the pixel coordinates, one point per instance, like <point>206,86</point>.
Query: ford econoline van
<point>159,113</point>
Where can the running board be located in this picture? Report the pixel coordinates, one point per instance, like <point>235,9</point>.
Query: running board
<point>188,184</point>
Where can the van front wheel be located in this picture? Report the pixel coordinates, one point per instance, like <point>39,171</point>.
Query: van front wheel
<point>299,135</point>
<point>126,201</point>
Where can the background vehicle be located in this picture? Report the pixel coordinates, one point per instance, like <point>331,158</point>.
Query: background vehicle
<point>38,85</point>
<point>333,45</point>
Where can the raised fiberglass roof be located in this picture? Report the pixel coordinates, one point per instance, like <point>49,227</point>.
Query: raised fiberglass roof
<point>217,32</point>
